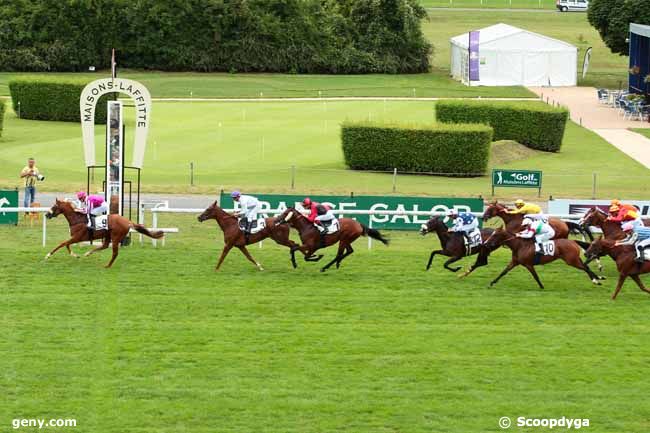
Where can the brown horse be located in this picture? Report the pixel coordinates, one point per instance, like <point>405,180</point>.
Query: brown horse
<point>624,256</point>
<point>513,222</point>
<point>596,217</point>
<point>349,231</point>
<point>118,229</point>
<point>523,253</point>
<point>234,237</point>
<point>453,244</point>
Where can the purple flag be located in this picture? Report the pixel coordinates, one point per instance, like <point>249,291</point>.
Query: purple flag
<point>473,56</point>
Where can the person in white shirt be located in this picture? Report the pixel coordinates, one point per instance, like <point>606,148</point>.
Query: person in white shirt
<point>249,207</point>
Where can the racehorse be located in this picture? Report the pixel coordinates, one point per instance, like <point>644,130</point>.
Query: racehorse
<point>453,244</point>
<point>118,228</point>
<point>598,218</point>
<point>523,253</point>
<point>233,236</point>
<point>513,222</point>
<point>349,231</point>
<point>624,256</point>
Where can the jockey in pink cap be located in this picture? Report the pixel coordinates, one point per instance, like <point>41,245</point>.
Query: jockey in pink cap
<point>92,205</point>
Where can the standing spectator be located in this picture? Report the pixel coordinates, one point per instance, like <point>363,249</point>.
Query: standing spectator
<point>31,175</point>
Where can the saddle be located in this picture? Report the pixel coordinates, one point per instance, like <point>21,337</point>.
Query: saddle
<point>257,226</point>
<point>472,240</point>
<point>101,222</point>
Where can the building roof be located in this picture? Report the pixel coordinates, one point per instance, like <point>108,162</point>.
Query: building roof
<point>640,29</point>
<point>510,38</point>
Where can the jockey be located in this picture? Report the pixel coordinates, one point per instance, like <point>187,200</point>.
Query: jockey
<point>623,212</point>
<point>92,205</point>
<point>639,234</point>
<point>541,230</point>
<point>529,210</point>
<point>464,222</point>
<point>319,214</point>
<point>249,207</point>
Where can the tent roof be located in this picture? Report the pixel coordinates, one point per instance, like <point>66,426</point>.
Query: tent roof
<point>640,29</point>
<point>510,38</point>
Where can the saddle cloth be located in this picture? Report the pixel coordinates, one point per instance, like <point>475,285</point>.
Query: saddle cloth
<point>474,239</point>
<point>101,222</point>
<point>330,227</point>
<point>547,248</point>
<point>258,225</point>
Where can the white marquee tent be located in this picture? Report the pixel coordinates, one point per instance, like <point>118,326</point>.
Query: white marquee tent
<point>510,56</point>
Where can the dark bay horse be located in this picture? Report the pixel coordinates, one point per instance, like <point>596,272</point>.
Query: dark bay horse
<point>512,222</point>
<point>453,244</point>
<point>118,228</point>
<point>523,253</point>
<point>349,231</point>
<point>234,237</point>
<point>624,256</point>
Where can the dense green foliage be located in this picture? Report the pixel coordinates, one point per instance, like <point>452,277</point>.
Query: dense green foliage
<point>2,115</point>
<point>536,125</point>
<point>307,36</point>
<point>449,149</point>
<point>49,99</point>
<point>612,19</point>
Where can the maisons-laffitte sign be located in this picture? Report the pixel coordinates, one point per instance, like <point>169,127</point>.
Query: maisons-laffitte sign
<point>88,101</point>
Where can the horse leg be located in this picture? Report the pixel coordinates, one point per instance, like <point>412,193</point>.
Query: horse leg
<point>250,258</point>
<point>348,251</point>
<point>639,283</point>
<point>533,272</point>
<point>453,260</point>
<point>579,264</point>
<point>339,254</point>
<point>433,253</point>
<point>508,268</point>
<point>61,245</point>
<point>71,252</point>
<point>224,253</point>
<point>103,246</point>
<point>619,286</point>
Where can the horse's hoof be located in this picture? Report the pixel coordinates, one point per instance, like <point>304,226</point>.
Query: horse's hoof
<point>602,277</point>
<point>456,269</point>
<point>322,270</point>
<point>596,281</point>
<point>260,267</point>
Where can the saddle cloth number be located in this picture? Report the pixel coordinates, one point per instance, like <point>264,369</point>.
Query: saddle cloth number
<point>101,222</point>
<point>548,248</point>
<point>258,226</point>
<point>475,238</point>
<point>332,228</point>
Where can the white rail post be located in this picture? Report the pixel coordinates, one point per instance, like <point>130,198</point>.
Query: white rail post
<point>44,230</point>
<point>369,226</point>
<point>154,242</point>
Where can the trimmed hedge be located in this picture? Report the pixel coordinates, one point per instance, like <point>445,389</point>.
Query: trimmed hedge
<point>46,99</point>
<point>533,124</point>
<point>461,150</point>
<point>2,114</point>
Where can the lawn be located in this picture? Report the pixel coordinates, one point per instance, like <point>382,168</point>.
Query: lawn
<point>643,131</point>
<point>253,146</point>
<point>161,343</point>
<point>490,4</point>
<point>224,85</point>
<point>605,70</point>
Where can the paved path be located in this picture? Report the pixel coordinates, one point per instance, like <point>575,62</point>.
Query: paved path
<point>604,120</point>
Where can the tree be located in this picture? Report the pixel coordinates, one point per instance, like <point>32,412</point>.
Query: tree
<point>612,19</point>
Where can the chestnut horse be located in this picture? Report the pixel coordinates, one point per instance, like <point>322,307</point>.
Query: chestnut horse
<point>234,237</point>
<point>624,256</point>
<point>523,253</point>
<point>349,231</point>
<point>453,244</point>
<point>118,228</point>
<point>513,222</point>
<point>598,218</point>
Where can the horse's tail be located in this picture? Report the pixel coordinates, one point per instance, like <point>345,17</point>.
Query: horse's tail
<point>375,234</point>
<point>577,229</point>
<point>142,229</point>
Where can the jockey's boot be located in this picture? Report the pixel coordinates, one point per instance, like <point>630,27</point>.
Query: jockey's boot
<point>91,229</point>
<point>322,231</point>
<point>640,257</point>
